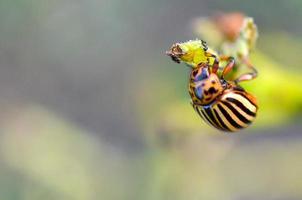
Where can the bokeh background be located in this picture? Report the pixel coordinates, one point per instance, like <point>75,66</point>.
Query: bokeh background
<point>92,109</point>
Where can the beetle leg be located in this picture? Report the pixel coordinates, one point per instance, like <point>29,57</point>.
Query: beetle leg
<point>228,68</point>
<point>224,58</point>
<point>247,76</point>
<point>215,65</point>
<point>208,54</point>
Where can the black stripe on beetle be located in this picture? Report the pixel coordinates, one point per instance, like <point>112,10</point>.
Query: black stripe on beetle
<point>241,106</point>
<point>235,112</point>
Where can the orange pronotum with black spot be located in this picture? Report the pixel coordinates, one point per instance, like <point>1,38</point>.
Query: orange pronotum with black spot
<point>222,104</point>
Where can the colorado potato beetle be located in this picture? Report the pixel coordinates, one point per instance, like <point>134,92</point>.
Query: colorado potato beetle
<point>222,104</point>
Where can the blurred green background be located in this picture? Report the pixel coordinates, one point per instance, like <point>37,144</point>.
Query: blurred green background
<point>92,108</point>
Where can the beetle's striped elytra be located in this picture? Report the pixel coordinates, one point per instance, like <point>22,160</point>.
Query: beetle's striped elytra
<point>233,110</point>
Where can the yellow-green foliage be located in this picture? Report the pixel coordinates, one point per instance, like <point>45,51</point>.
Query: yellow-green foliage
<point>194,52</point>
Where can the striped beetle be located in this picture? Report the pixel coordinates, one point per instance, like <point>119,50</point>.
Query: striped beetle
<point>222,104</point>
